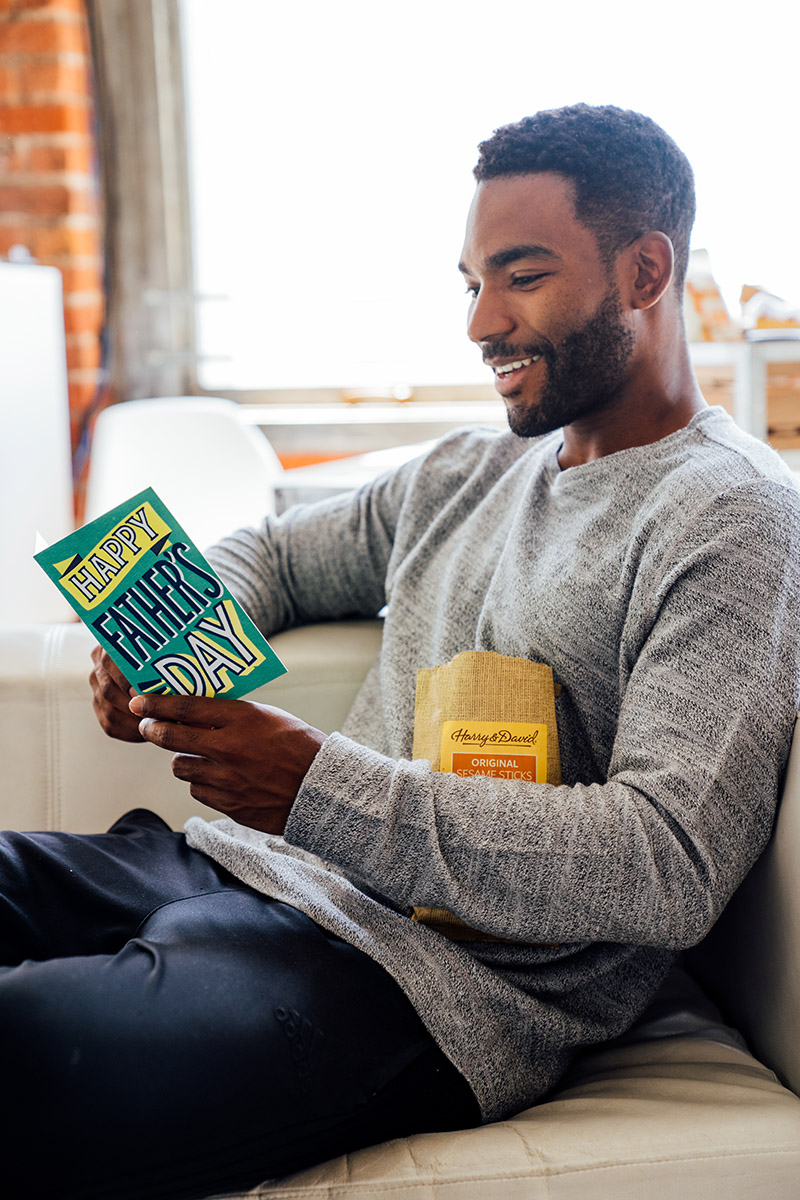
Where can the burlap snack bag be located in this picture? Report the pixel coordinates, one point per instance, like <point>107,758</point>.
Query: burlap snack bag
<point>485,714</point>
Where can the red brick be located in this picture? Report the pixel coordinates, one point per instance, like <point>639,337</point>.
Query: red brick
<point>46,158</point>
<point>43,32</point>
<point>81,279</point>
<point>67,249</point>
<point>9,156</point>
<point>44,118</point>
<point>48,243</point>
<point>47,200</point>
<point>13,236</point>
<point>51,153</point>
<point>10,76</point>
<point>53,75</point>
<point>53,242</point>
<point>79,498</point>
<point>81,396</point>
<point>83,351</point>
<point>30,36</point>
<point>85,393</point>
<point>75,420</point>
<point>88,376</point>
<point>49,7</point>
<point>80,262</point>
<point>85,317</point>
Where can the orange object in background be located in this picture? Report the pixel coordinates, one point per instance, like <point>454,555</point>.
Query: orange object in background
<point>706,314</point>
<point>309,460</point>
<point>763,310</point>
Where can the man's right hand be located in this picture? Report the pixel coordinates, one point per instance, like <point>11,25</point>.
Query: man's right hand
<point>111,694</point>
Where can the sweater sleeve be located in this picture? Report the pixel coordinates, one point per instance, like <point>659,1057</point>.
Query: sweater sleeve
<point>317,562</point>
<point>709,679</point>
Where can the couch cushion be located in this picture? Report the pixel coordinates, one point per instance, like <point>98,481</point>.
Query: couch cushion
<point>669,1117</point>
<point>62,772</point>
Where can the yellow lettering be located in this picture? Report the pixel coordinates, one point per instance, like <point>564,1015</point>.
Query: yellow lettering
<point>93,578</point>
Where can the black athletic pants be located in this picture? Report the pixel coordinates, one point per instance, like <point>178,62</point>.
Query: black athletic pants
<point>165,1031</point>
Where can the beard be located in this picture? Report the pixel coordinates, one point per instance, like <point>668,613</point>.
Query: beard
<point>584,372</point>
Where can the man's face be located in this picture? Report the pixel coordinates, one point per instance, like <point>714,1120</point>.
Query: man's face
<point>545,308</point>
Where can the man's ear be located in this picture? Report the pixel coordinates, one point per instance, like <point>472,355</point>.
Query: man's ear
<point>652,265</point>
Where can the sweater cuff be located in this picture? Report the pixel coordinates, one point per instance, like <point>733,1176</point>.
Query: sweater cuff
<point>341,792</point>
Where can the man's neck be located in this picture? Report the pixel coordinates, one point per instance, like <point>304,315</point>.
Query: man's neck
<point>661,397</point>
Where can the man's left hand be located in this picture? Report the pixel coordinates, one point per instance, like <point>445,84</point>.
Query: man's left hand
<point>244,759</point>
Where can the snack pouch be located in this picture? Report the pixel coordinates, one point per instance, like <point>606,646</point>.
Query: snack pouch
<point>485,714</point>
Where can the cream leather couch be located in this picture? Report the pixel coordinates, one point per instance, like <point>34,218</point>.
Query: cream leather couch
<point>678,1108</point>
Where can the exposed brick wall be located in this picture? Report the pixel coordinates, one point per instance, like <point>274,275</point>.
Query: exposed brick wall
<point>49,197</point>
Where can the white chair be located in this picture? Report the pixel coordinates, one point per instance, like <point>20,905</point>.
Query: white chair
<point>214,472</point>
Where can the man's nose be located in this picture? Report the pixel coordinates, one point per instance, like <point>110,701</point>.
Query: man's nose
<point>489,317</point>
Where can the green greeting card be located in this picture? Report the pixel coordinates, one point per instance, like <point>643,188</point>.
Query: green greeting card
<point>158,608</point>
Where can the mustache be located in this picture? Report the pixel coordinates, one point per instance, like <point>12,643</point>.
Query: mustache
<point>502,349</point>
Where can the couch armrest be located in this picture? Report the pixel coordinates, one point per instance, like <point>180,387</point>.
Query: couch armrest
<point>60,771</point>
<point>750,961</point>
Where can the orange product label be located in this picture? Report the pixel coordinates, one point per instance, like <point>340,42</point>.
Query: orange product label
<point>499,766</point>
<point>500,749</point>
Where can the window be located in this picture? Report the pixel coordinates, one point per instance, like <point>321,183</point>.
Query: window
<point>331,149</point>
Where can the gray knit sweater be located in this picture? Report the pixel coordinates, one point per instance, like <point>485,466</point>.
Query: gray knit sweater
<point>661,584</point>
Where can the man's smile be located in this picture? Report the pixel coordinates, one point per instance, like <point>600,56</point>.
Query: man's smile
<point>506,368</point>
<point>507,375</point>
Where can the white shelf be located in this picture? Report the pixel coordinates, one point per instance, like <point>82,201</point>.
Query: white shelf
<point>371,413</point>
<point>749,361</point>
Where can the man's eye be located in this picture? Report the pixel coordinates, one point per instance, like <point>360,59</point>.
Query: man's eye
<point>472,292</point>
<point>523,281</point>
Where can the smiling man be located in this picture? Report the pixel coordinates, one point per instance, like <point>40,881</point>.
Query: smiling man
<point>577,292</point>
<point>235,1004</point>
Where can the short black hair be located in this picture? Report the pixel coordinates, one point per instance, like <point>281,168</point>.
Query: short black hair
<point>629,175</point>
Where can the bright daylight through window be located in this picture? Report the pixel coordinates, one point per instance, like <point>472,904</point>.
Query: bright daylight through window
<point>331,148</point>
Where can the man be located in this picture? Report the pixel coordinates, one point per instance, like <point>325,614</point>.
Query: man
<point>198,1021</point>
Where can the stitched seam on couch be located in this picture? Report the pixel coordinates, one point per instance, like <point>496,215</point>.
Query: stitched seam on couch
<point>332,1190</point>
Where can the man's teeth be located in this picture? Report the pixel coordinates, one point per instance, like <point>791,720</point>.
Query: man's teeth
<point>515,366</point>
